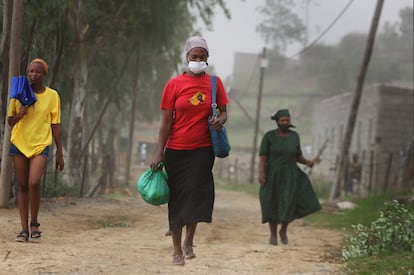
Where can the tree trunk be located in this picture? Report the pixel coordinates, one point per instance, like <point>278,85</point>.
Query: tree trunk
<point>135,96</point>
<point>14,69</point>
<point>77,113</point>
<point>4,61</point>
<point>340,173</point>
<point>108,154</point>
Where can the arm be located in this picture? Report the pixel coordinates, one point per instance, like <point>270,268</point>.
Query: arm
<point>164,133</point>
<point>262,170</point>
<point>57,136</point>
<point>304,161</point>
<point>12,120</point>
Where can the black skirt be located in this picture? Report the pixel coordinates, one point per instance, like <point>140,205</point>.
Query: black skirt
<point>191,183</point>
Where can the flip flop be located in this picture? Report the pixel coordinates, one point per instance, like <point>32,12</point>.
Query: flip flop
<point>23,236</point>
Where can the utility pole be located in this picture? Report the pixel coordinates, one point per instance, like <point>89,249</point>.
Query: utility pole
<point>263,65</point>
<point>245,112</point>
<point>340,173</point>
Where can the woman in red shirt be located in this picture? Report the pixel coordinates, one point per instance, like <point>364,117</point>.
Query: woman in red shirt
<point>185,147</point>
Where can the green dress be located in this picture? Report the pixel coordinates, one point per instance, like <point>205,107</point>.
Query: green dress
<point>287,193</point>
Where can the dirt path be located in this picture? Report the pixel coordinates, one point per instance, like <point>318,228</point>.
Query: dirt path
<point>78,239</point>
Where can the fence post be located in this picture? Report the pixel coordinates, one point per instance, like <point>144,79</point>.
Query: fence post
<point>236,170</point>
<point>371,170</point>
<point>387,173</point>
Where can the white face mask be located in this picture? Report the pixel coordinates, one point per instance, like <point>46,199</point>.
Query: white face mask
<point>197,67</point>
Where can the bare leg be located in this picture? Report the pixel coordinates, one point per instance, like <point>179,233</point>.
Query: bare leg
<point>178,257</point>
<point>283,233</point>
<point>188,241</point>
<point>273,230</point>
<point>189,234</point>
<point>37,167</point>
<point>21,165</point>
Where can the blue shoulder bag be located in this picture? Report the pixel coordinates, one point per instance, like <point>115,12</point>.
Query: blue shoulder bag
<point>219,138</point>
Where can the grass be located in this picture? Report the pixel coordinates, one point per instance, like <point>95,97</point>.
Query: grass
<point>252,189</point>
<point>392,263</point>
<point>367,211</point>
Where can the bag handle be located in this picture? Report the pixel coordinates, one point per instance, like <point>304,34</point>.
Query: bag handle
<point>213,94</point>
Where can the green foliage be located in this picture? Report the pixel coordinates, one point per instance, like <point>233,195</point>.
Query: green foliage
<point>117,36</point>
<point>392,231</point>
<point>395,262</point>
<point>387,263</point>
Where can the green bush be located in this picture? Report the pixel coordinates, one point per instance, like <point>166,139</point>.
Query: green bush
<point>392,231</point>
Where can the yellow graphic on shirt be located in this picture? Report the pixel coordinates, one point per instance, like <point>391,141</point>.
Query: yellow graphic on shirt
<point>197,98</point>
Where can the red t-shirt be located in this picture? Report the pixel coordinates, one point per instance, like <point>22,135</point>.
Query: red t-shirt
<point>190,99</point>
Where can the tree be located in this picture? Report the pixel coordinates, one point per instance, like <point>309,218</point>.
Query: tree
<point>94,44</point>
<point>281,25</point>
<point>4,59</point>
<point>334,66</point>
<point>14,70</point>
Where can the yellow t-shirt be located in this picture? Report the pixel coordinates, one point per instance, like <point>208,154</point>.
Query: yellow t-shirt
<point>33,133</point>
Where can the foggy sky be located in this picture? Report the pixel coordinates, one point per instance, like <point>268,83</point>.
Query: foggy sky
<point>239,33</point>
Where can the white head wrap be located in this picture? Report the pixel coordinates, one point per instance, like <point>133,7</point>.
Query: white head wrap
<point>195,42</point>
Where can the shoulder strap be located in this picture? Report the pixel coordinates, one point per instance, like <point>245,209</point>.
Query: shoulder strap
<point>213,94</point>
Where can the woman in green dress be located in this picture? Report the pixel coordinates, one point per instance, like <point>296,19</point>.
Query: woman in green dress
<point>286,192</point>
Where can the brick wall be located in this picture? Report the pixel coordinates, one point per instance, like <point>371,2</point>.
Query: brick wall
<point>384,129</point>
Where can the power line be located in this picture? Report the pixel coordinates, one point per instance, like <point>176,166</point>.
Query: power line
<point>317,39</point>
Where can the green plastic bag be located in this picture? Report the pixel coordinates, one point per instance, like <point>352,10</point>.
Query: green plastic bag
<point>153,187</point>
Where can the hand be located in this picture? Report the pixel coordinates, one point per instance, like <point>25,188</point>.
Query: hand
<point>155,165</point>
<point>22,111</point>
<point>310,163</point>
<point>317,160</point>
<point>60,164</point>
<point>262,179</point>
<point>216,123</point>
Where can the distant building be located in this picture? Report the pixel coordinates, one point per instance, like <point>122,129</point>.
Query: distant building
<point>382,134</point>
<point>245,64</point>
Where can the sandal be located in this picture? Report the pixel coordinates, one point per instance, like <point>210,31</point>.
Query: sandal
<point>273,241</point>
<point>23,236</point>
<point>178,260</point>
<point>283,237</point>
<point>188,252</point>
<point>35,235</point>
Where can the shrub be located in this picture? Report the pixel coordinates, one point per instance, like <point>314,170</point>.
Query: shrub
<point>392,231</point>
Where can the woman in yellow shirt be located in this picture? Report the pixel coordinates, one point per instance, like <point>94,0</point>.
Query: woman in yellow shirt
<point>32,132</point>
